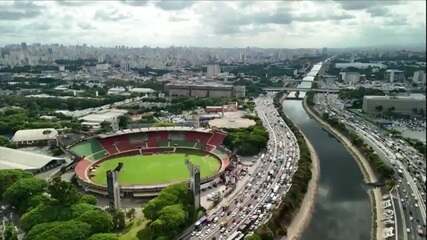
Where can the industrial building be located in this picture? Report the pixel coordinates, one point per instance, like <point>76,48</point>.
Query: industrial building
<point>208,90</point>
<point>28,161</point>
<point>414,104</point>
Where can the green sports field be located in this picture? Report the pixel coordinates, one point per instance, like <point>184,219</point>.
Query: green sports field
<point>157,168</point>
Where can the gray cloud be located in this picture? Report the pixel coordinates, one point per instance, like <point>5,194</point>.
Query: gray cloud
<point>20,10</point>
<point>173,5</point>
<point>378,11</point>
<point>365,4</point>
<point>110,15</point>
<point>136,3</point>
<point>74,3</point>
<point>316,18</point>
<point>233,21</point>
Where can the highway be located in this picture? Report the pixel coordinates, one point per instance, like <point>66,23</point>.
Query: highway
<point>269,180</point>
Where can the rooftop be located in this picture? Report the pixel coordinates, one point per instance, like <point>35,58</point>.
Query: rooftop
<point>17,159</point>
<point>35,134</point>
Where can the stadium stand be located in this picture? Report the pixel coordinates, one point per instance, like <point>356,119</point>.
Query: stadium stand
<point>138,138</point>
<point>199,137</point>
<point>216,138</point>
<point>87,147</point>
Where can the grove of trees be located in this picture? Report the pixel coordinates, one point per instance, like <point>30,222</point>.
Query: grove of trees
<point>169,213</point>
<point>247,141</point>
<point>55,210</point>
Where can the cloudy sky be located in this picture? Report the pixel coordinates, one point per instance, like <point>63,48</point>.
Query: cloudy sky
<point>270,24</point>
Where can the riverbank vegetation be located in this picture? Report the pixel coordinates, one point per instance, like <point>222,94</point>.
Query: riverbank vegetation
<point>247,141</point>
<point>283,215</point>
<point>384,172</point>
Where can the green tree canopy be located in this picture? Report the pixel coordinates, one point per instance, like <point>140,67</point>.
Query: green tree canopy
<point>69,230</point>
<point>104,236</point>
<point>99,220</point>
<point>21,192</point>
<point>64,193</point>
<point>9,177</point>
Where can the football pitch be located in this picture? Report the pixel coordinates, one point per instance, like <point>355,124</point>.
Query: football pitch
<point>161,168</point>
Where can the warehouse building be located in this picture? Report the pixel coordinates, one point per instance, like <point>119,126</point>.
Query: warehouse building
<point>28,161</point>
<point>414,104</point>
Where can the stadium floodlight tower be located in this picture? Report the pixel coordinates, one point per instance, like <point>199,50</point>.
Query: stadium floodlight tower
<point>113,187</point>
<point>194,182</point>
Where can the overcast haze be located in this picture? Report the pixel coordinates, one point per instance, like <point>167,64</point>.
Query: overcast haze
<point>269,24</point>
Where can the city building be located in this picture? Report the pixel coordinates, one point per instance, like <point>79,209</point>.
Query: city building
<point>414,104</point>
<point>146,91</point>
<point>116,91</point>
<point>94,120</point>
<point>419,77</point>
<point>359,65</point>
<point>350,78</point>
<point>213,70</point>
<point>205,90</point>
<point>393,75</point>
<point>28,161</point>
<point>42,136</point>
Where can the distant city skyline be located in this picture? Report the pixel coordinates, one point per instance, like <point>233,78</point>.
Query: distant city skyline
<point>265,24</point>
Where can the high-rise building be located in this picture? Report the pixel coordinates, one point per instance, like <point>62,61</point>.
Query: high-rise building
<point>419,77</point>
<point>350,78</point>
<point>213,70</point>
<point>393,75</point>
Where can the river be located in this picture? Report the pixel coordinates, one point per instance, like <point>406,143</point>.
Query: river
<point>342,209</point>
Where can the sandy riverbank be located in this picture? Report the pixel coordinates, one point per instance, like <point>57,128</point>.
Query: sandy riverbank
<point>303,217</point>
<point>368,173</point>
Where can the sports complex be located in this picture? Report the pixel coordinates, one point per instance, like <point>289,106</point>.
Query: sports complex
<point>152,158</point>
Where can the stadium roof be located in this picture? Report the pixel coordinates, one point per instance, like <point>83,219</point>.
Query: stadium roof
<point>35,134</point>
<point>152,129</point>
<point>17,159</point>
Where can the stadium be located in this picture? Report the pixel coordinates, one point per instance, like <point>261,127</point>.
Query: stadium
<point>152,158</point>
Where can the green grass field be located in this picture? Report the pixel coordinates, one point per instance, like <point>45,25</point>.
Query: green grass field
<point>157,168</point>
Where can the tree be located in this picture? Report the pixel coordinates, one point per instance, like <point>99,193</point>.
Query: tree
<point>64,193</point>
<point>21,192</point>
<point>10,232</point>
<point>104,236</point>
<point>123,121</point>
<point>89,199</point>
<point>106,126</point>
<point>99,220</point>
<point>69,230</point>
<point>9,177</point>
<point>119,221</point>
<point>131,213</point>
